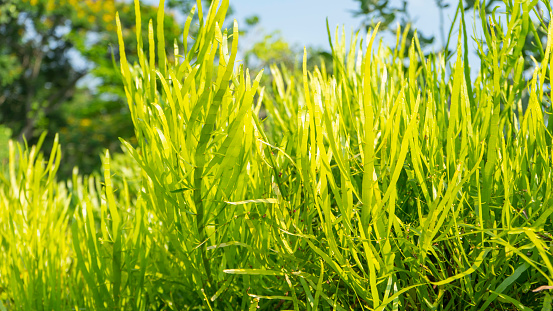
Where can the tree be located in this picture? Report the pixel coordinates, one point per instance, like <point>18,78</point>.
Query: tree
<point>57,72</point>
<point>388,15</point>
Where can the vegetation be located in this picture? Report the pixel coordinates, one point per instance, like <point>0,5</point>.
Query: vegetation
<point>58,74</point>
<point>386,185</point>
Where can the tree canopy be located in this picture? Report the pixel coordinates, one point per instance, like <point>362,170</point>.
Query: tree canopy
<point>59,75</point>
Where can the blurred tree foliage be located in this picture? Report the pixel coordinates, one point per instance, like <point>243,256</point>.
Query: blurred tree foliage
<point>57,72</point>
<point>389,14</point>
<point>274,49</point>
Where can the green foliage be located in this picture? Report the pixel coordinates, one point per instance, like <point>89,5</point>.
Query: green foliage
<point>34,258</point>
<point>58,74</point>
<point>387,185</point>
<point>272,48</point>
<point>387,14</point>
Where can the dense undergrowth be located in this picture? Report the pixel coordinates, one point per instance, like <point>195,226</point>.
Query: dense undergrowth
<point>397,183</point>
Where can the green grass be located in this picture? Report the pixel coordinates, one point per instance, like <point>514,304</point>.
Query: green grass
<point>397,183</point>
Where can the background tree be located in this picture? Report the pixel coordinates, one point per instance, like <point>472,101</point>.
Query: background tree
<point>57,73</point>
<point>389,14</point>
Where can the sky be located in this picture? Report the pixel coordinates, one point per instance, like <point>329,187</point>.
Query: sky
<point>303,22</point>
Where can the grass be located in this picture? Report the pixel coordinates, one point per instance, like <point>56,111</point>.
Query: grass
<point>397,183</point>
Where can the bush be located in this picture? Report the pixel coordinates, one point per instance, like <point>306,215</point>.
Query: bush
<point>388,185</point>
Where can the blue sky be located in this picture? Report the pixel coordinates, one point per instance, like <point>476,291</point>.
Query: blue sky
<point>303,22</point>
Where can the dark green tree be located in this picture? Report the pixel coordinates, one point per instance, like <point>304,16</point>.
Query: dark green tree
<point>57,72</point>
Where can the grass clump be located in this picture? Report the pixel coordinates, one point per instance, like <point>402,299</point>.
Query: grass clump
<point>398,182</point>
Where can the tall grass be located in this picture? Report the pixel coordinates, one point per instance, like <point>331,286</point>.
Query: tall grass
<point>397,183</point>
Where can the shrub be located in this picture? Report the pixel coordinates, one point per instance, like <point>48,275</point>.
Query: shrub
<point>388,185</point>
